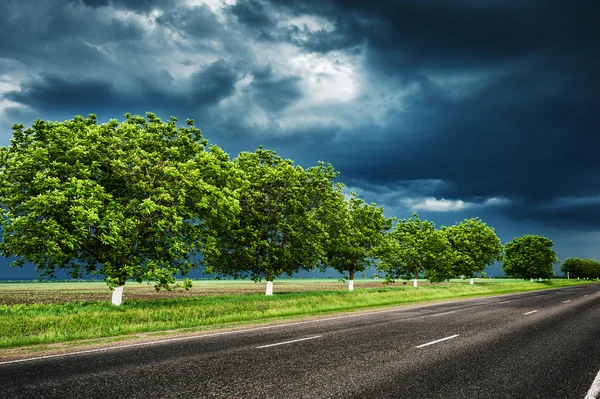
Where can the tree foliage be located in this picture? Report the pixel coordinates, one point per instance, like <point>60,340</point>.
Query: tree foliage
<point>356,230</point>
<point>413,247</point>
<point>475,246</point>
<point>278,229</point>
<point>529,256</point>
<point>583,268</point>
<point>132,200</point>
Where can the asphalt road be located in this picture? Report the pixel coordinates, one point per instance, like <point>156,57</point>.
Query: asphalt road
<point>534,345</point>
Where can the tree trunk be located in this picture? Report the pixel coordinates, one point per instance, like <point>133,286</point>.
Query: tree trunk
<point>416,278</point>
<point>531,280</point>
<point>351,280</point>
<point>269,290</point>
<point>117,295</point>
<point>471,281</point>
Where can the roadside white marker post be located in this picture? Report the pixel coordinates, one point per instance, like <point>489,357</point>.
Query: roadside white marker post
<point>350,285</point>
<point>269,288</point>
<point>471,281</point>
<point>117,295</point>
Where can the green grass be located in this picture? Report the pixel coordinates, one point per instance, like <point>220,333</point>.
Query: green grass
<point>29,324</point>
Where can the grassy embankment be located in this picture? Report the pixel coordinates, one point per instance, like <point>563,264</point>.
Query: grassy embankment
<point>44,323</point>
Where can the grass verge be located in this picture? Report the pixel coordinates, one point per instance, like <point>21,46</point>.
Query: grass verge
<point>32,324</point>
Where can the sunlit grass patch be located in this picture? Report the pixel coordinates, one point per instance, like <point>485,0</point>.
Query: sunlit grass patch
<point>24,324</point>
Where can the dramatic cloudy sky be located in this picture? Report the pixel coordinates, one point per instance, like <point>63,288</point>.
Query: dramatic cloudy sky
<point>447,108</point>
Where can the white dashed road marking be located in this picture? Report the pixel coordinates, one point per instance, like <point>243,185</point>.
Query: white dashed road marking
<point>439,340</point>
<point>289,342</point>
<point>533,311</point>
<point>594,389</point>
<point>441,314</point>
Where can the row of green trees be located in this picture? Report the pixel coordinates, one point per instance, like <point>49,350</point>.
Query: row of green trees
<point>581,268</point>
<point>144,200</point>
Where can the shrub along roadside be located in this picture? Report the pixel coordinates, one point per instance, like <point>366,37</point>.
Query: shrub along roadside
<point>22,325</point>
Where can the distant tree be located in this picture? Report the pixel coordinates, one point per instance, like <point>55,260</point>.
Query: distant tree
<point>475,246</point>
<point>128,201</point>
<point>581,268</point>
<point>529,256</point>
<point>355,230</point>
<point>278,229</point>
<point>414,246</point>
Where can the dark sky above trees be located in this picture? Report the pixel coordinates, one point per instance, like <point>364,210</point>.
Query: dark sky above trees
<point>448,108</point>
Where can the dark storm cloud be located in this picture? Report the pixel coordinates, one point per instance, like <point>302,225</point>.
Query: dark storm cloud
<point>251,12</point>
<point>197,22</point>
<point>213,83</point>
<point>34,33</point>
<point>454,31</point>
<point>96,3</point>
<point>271,93</point>
<point>524,133</point>
<point>133,5</point>
<point>51,93</point>
<point>526,128</point>
<point>55,95</point>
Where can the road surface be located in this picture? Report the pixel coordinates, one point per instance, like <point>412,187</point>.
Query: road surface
<point>543,344</point>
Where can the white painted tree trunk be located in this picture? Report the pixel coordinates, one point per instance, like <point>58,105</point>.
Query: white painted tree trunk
<point>350,285</point>
<point>414,282</point>
<point>471,281</point>
<point>269,288</point>
<point>539,279</point>
<point>531,280</point>
<point>117,295</point>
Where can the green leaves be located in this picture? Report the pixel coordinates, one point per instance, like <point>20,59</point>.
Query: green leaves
<point>577,267</point>
<point>278,229</point>
<point>529,256</point>
<point>475,246</point>
<point>132,200</point>
<point>413,247</point>
<point>355,230</point>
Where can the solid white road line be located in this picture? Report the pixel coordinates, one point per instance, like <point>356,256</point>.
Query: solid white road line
<point>533,311</point>
<point>594,389</point>
<point>288,342</point>
<point>441,314</point>
<point>567,301</point>
<point>439,340</point>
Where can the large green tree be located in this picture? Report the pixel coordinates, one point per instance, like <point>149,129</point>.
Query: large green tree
<point>530,256</point>
<point>356,229</point>
<point>278,229</point>
<point>475,246</point>
<point>413,247</point>
<point>128,201</point>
